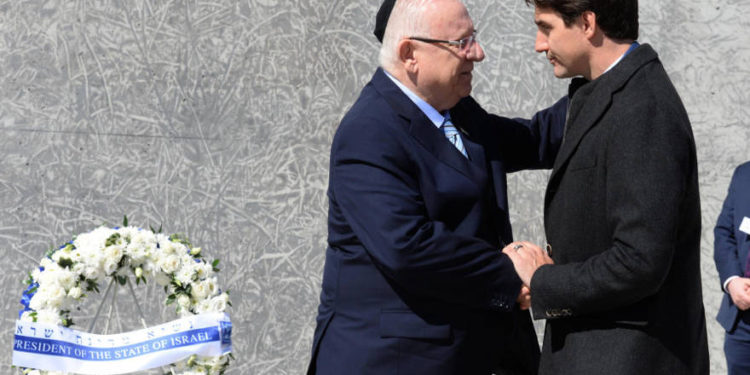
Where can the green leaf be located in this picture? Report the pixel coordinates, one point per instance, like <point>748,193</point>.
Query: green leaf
<point>122,280</point>
<point>65,262</point>
<point>178,238</point>
<point>92,285</point>
<point>171,298</point>
<point>112,239</point>
<point>125,221</point>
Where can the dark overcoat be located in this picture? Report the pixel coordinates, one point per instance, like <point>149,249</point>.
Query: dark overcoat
<point>623,218</point>
<point>414,281</point>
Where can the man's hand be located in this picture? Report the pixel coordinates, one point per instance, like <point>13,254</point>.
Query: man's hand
<point>739,290</point>
<point>527,258</point>
<point>524,298</point>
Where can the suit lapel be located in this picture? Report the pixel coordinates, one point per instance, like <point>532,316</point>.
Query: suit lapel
<point>427,134</point>
<point>434,141</point>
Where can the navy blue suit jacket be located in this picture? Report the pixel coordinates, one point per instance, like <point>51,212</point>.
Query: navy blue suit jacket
<point>414,280</point>
<point>730,244</point>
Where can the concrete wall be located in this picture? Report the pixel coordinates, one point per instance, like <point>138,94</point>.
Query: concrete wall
<point>214,119</point>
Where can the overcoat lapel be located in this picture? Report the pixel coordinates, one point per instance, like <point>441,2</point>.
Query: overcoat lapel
<point>593,99</point>
<point>588,104</point>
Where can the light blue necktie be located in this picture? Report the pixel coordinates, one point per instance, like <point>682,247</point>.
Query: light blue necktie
<point>452,134</point>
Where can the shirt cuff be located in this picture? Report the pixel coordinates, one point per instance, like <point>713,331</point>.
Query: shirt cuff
<point>726,282</point>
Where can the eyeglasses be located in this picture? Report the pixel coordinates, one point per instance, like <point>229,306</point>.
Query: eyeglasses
<point>463,44</point>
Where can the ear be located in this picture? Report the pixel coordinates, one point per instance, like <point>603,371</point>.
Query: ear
<point>588,24</point>
<point>407,56</point>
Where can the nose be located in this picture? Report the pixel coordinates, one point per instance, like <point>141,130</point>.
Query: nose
<point>541,45</point>
<point>475,53</point>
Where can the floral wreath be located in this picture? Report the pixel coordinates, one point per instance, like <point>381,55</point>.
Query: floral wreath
<point>65,275</point>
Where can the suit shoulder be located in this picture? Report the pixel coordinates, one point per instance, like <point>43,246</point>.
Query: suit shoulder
<point>743,170</point>
<point>369,114</point>
<point>370,126</point>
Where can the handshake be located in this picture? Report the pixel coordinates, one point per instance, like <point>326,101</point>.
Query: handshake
<point>526,258</point>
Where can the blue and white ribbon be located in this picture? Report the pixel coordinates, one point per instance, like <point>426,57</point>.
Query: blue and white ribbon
<point>55,348</point>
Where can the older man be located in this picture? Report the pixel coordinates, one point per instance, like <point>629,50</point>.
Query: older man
<point>622,209</point>
<point>414,282</point>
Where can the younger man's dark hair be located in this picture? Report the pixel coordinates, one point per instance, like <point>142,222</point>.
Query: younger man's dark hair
<point>618,19</point>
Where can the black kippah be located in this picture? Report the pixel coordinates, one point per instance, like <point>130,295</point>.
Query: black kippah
<point>381,20</point>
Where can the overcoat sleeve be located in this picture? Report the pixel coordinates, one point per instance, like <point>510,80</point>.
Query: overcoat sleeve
<point>648,159</point>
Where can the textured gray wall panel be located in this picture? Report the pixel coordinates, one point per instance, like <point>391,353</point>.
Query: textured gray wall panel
<point>214,119</point>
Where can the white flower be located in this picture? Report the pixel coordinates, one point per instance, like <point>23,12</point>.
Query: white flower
<point>203,270</point>
<point>215,364</point>
<point>36,274</point>
<point>141,246</point>
<point>114,253</point>
<point>75,293</point>
<point>128,233</point>
<point>185,274</point>
<point>218,303</point>
<point>38,301</point>
<point>203,289</point>
<point>48,296</point>
<point>110,267</point>
<point>94,239</point>
<point>169,264</point>
<point>48,316</point>
<point>47,263</point>
<point>93,272</point>
<point>66,279</point>
<point>183,301</point>
<point>203,306</point>
<point>172,248</point>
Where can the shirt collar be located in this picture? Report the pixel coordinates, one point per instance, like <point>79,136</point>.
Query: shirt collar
<point>632,47</point>
<point>427,109</point>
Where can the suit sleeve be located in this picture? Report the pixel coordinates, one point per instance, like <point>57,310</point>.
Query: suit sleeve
<point>725,244</point>
<point>522,143</point>
<point>375,186</point>
<point>649,166</point>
